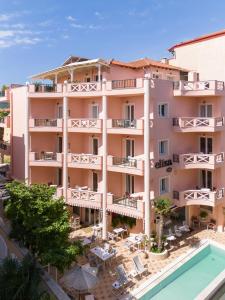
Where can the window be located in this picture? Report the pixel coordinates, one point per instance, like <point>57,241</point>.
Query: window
<point>163,147</point>
<point>156,75</point>
<point>164,185</point>
<point>163,110</point>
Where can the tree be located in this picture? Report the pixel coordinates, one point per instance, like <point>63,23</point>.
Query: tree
<point>41,223</point>
<point>20,280</point>
<point>162,209</point>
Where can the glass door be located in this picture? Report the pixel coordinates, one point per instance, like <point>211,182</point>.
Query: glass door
<point>129,184</point>
<point>129,151</point>
<point>129,112</point>
<point>94,181</point>
<point>206,179</point>
<point>206,110</point>
<point>60,112</point>
<point>94,111</point>
<point>206,145</point>
<point>59,144</point>
<point>95,146</point>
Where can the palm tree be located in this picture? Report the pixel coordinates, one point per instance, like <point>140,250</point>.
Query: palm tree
<point>162,208</point>
<point>20,280</point>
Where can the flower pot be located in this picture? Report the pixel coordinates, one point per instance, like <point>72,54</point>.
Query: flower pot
<point>159,256</point>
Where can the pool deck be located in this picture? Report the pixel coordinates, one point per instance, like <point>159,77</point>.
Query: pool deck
<point>181,247</point>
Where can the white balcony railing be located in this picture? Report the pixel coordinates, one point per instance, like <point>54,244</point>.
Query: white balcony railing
<point>198,123</point>
<point>84,198</point>
<point>201,197</point>
<point>84,87</point>
<point>89,159</point>
<point>199,85</point>
<point>199,159</point>
<point>84,123</point>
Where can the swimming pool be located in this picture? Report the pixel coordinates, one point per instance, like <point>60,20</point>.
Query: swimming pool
<point>190,278</point>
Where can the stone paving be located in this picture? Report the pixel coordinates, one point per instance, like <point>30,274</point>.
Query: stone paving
<point>107,277</point>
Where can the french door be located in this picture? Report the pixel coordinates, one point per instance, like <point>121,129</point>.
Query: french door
<point>94,111</point>
<point>129,148</point>
<point>59,144</point>
<point>129,184</point>
<point>94,181</point>
<point>95,146</point>
<point>206,110</point>
<point>60,111</point>
<point>206,145</point>
<point>129,112</point>
<point>206,179</point>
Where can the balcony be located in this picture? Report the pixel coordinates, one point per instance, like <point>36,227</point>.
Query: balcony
<point>45,159</point>
<point>85,125</point>
<point>131,206</point>
<point>84,161</point>
<point>199,160</point>
<point>45,125</point>
<point>84,88</point>
<point>198,124</point>
<point>45,90</point>
<point>123,126</point>
<point>128,165</point>
<point>201,197</point>
<point>199,88</point>
<point>125,87</point>
<point>84,197</point>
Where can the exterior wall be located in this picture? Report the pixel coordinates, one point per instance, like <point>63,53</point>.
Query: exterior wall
<point>194,57</point>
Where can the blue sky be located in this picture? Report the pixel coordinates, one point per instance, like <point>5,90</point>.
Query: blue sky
<point>38,35</point>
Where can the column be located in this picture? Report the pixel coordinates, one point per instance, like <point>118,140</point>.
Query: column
<point>104,161</point>
<point>99,73</point>
<point>27,137</point>
<point>65,143</point>
<point>147,156</point>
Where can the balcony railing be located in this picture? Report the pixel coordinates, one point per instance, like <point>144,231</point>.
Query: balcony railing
<point>45,88</point>
<point>124,84</point>
<point>203,196</point>
<point>199,160</point>
<point>88,159</point>
<point>84,198</point>
<point>84,87</point>
<point>45,122</point>
<point>123,123</point>
<point>128,205</point>
<point>198,123</point>
<point>124,162</point>
<point>199,85</point>
<point>45,156</point>
<point>84,123</point>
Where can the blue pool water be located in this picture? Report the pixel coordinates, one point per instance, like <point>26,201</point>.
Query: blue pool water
<point>191,278</point>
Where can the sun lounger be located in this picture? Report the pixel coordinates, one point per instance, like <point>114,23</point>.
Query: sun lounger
<point>140,268</point>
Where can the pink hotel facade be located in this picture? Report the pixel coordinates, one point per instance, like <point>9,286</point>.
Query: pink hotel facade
<point>112,135</point>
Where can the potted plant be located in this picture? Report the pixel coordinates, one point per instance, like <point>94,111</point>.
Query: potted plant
<point>203,215</point>
<point>162,208</point>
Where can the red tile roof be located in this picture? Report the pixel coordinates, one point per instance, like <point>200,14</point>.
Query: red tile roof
<point>199,39</point>
<point>143,62</point>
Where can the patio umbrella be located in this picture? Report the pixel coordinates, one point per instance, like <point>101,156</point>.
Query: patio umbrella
<point>81,278</point>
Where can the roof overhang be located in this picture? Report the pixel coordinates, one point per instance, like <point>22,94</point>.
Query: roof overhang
<point>70,67</point>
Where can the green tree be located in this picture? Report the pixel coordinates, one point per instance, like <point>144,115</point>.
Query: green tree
<point>162,209</point>
<point>20,280</point>
<point>41,223</point>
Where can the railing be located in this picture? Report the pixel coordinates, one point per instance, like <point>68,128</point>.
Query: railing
<point>124,162</point>
<point>123,123</point>
<point>45,156</point>
<point>45,122</point>
<point>85,87</point>
<point>203,195</point>
<point>199,85</point>
<point>85,159</point>
<point>85,195</point>
<point>85,123</point>
<point>45,88</point>
<point>129,202</point>
<point>196,158</point>
<point>124,84</point>
<point>189,122</point>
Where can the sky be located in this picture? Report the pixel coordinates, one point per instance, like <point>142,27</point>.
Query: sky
<point>38,35</point>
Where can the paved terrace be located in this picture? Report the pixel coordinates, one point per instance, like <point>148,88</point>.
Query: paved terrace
<point>106,278</point>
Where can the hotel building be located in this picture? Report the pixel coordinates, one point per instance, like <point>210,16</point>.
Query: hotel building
<point>113,135</point>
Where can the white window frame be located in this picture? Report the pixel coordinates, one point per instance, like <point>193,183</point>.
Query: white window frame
<point>168,185</point>
<point>159,106</point>
<point>91,109</point>
<point>163,154</point>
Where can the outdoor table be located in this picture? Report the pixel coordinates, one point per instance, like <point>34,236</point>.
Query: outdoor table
<point>184,228</point>
<point>102,254</point>
<point>135,240</point>
<point>118,231</point>
<point>171,238</point>
<point>97,229</point>
<point>85,241</point>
